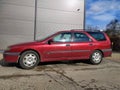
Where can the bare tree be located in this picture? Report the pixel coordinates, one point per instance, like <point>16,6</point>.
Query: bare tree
<point>92,28</point>
<point>113,30</point>
<point>112,25</point>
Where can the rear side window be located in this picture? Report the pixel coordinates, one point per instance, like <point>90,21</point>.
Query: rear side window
<point>99,36</point>
<point>81,37</point>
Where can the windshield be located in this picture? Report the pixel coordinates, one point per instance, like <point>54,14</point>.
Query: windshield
<point>45,37</point>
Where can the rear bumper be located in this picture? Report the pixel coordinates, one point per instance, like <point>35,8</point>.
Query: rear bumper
<point>107,52</point>
<point>11,56</point>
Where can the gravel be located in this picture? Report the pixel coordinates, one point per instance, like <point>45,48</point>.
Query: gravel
<point>77,75</point>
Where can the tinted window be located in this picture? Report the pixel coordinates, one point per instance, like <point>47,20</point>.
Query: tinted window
<point>63,37</point>
<point>99,36</point>
<point>81,37</point>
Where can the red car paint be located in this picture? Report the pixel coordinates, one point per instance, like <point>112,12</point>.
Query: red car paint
<point>60,50</point>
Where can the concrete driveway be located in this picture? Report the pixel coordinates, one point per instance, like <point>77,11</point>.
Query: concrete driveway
<point>78,75</point>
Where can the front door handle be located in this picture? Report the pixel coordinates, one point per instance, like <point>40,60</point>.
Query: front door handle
<point>90,44</point>
<point>67,45</point>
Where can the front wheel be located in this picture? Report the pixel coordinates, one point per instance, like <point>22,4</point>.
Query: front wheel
<point>96,57</point>
<point>29,59</point>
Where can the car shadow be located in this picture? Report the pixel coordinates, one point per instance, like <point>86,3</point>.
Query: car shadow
<point>73,63</point>
<point>5,64</point>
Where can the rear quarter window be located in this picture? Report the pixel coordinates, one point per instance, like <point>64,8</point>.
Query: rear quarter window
<point>99,36</point>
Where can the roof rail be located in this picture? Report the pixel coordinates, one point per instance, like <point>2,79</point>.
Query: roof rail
<point>93,30</point>
<point>77,29</point>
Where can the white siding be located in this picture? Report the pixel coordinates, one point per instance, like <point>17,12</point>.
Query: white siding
<point>16,21</point>
<point>56,15</point>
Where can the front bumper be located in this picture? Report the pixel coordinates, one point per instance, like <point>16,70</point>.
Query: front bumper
<point>11,56</point>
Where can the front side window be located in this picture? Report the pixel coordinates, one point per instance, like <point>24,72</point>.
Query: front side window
<point>63,37</point>
<point>81,37</point>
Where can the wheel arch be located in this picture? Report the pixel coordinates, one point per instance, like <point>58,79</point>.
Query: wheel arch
<point>29,50</point>
<point>100,51</point>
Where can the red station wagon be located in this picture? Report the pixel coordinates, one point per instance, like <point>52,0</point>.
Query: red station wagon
<point>63,45</point>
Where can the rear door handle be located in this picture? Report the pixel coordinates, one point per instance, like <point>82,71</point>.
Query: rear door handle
<point>67,45</point>
<point>90,44</point>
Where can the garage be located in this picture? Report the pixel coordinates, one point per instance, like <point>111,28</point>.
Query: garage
<point>28,20</point>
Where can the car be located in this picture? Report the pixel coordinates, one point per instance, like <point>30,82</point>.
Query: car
<point>63,45</point>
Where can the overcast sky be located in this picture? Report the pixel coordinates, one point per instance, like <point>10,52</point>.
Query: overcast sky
<point>101,12</point>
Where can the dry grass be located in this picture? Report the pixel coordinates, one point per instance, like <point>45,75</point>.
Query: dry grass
<point>1,56</point>
<point>115,56</point>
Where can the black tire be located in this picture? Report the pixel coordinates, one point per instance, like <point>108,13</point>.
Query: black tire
<point>29,59</point>
<point>96,57</point>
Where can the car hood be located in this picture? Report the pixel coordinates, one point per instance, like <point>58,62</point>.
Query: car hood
<point>26,44</point>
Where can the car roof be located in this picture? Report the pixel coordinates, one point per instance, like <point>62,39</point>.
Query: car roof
<point>79,30</point>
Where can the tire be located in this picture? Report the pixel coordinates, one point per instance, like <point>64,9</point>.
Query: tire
<point>29,59</point>
<point>96,57</point>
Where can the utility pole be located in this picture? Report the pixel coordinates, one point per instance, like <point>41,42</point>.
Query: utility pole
<point>84,21</point>
<point>35,20</point>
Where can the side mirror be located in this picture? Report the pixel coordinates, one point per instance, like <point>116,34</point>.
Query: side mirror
<point>50,41</point>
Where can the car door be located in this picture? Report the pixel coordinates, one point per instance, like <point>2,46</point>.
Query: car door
<point>82,46</point>
<point>58,47</point>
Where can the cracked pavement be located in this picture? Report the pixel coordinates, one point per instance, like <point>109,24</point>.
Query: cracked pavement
<point>77,75</point>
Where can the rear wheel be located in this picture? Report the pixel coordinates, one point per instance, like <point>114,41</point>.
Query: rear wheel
<point>96,57</point>
<point>29,59</point>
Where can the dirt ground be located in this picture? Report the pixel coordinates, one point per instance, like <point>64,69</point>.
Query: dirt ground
<point>79,75</point>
